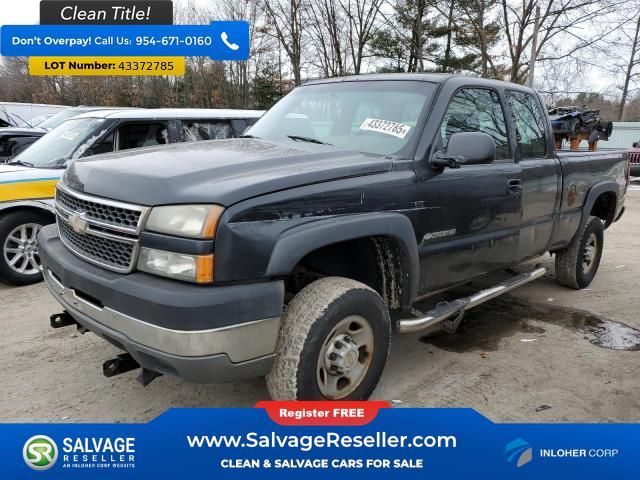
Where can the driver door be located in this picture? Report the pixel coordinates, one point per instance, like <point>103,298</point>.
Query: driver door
<point>470,216</point>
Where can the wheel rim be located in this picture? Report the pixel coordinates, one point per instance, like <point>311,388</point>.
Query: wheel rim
<point>345,357</point>
<point>21,249</point>
<point>589,253</point>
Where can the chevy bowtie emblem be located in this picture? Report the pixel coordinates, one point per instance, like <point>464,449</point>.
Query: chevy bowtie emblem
<point>78,223</point>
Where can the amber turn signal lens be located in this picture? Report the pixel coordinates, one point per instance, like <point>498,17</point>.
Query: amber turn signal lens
<point>211,223</point>
<point>204,269</point>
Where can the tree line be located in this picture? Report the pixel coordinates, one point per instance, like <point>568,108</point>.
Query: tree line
<point>581,50</point>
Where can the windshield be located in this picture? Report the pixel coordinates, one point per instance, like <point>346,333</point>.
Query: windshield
<point>59,118</point>
<point>377,117</point>
<point>35,121</point>
<point>68,141</point>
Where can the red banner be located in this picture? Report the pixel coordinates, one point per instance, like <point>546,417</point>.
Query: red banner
<point>330,413</point>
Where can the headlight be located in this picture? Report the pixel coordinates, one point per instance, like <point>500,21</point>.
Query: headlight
<point>192,221</point>
<point>179,266</point>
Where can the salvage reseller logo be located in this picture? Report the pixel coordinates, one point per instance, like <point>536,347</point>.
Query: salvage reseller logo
<point>40,452</point>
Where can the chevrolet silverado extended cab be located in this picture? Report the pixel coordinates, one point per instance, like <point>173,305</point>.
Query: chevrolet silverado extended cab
<point>288,252</point>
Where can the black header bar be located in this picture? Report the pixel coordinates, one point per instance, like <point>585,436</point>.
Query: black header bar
<point>105,12</point>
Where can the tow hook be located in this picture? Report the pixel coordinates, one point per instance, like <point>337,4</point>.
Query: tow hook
<point>63,319</point>
<point>60,320</point>
<point>147,376</point>
<point>125,363</point>
<point>121,364</point>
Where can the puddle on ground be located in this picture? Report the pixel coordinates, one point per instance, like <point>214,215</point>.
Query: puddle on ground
<point>485,326</point>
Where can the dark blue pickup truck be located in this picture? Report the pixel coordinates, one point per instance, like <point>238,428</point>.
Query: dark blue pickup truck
<point>287,253</point>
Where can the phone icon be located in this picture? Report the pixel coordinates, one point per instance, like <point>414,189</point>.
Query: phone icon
<point>225,39</point>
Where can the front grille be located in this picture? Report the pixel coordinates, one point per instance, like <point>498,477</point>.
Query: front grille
<point>115,254</point>
<point>100,231</point>
<point>107,214</point>
<point>634,158</point>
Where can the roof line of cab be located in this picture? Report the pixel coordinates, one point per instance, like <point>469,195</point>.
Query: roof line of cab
<point>422,77</point>
<point>169,113</point>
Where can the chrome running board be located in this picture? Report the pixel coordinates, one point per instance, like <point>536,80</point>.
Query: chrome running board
<point>460,305</point>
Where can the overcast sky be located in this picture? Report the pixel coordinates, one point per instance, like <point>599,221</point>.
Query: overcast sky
<point>28,12</point>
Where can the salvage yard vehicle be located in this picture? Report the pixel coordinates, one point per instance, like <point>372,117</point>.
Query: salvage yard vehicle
<point>14,140</point>
<point>27,183</point>
<point>634,159</point>
<point>569,122</point>
<point>288,252</point>
<point>13,113</point>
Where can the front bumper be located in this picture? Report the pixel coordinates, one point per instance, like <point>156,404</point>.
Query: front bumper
<point>226,345</point>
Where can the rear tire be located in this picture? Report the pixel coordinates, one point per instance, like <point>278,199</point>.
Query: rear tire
<point>577,265</point>
<point>333,343</point>
<point>19,258</point>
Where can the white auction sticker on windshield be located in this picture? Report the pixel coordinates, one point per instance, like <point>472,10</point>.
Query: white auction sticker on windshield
<point>69,135</point>
<point>396,129</point>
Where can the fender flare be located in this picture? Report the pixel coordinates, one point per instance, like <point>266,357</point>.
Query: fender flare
<point>297,242</point>
<point>594,192</point>
<point>37,204</point>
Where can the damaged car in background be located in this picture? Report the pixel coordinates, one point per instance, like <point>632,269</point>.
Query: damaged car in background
<point>27,182</point>
<point>571,121</point>
<point>296,251</point>
<point>14,140</point>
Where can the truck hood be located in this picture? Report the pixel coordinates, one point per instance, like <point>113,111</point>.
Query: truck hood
<point>219,171</point>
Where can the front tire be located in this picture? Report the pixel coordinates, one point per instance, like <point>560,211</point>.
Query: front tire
<point>19,258</point>
<point>333,343</point>
<point>577,265</point>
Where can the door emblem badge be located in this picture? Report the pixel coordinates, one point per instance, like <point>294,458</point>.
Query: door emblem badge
<point>79,223</point>
<point>571,196</point>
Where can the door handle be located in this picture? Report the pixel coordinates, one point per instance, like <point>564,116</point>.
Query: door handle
<point>514,186</point>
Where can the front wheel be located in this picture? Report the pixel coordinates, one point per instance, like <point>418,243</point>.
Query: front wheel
<point>333,343</point>
<point>20,259</point>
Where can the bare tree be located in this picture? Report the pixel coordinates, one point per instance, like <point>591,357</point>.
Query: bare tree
<point>363,19</point>
<point>288,19</point>
<point>240,73</point>
<point>634,61</point>
<point>328,27</point>
<point>569,26</point>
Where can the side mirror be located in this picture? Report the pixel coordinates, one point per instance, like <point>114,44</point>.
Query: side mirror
<point>466,148</point>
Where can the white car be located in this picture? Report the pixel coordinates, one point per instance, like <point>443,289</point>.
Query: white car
<point>27,182</point>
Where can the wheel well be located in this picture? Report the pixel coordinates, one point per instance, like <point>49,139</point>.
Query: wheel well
<point>604,207</point>
<point>28,208</point>
<point>379,262</point>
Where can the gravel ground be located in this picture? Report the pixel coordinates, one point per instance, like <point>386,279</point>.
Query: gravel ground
<point>523,358</point>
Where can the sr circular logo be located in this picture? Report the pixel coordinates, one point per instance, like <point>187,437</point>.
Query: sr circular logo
<point>40,452</point>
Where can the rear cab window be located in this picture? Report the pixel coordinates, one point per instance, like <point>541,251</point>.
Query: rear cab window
<point>530,123</point>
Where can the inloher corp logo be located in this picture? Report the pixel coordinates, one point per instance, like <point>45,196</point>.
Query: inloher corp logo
<point>518,451</point>
<point>40,452</point>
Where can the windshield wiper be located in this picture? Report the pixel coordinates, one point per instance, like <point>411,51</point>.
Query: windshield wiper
<point>23,163</point>
<point>249,136</point>
<point>299,138</point>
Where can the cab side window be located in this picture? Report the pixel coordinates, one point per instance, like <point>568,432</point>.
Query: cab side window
<point>195,130</point>
<point>103,146</point>
<point>135,135</point>
<point>477,110</point>
<point>530,121</point>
